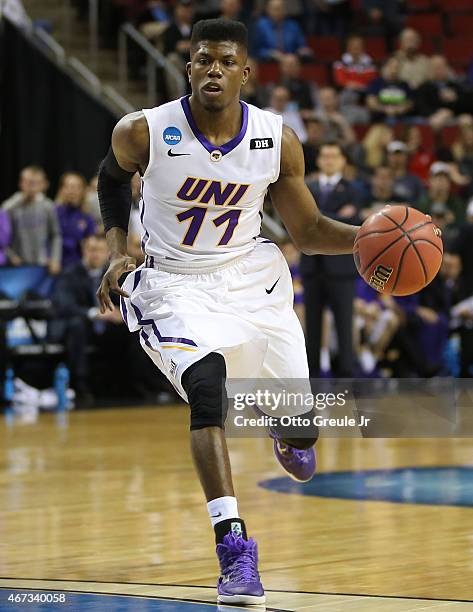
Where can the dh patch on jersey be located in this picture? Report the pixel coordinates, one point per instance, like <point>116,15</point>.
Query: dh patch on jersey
<point>261,143</point>
<point>172,135</point>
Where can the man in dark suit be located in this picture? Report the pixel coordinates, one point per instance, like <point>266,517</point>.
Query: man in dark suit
<point>79,322</point>
<point>329,281</point>
<point>120,367</point>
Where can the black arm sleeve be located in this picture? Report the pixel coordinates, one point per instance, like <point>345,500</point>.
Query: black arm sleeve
<point>114,190</point>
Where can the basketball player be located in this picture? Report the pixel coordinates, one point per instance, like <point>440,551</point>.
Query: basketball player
<point>213,300</point>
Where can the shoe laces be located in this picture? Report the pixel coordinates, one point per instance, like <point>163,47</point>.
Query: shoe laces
<point>241,564</point>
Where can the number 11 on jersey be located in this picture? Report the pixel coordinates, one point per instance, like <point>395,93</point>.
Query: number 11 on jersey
<point>196,215</point>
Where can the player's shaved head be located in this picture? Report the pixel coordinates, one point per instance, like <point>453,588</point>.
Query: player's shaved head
<point>219,30</point>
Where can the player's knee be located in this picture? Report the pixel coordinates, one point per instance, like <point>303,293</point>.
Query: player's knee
<point>301,436</point>
<point>204,384</point>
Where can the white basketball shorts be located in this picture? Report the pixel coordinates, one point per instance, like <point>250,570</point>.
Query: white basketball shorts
<point>243,311</point>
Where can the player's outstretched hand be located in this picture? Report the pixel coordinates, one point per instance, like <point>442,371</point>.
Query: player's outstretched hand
<point>117,267</point>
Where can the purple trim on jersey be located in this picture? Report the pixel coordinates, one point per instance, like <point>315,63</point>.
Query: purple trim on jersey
<point>143,322</point>
<point>142,203</point>
<point>136,279</point>
<point>228,146</point>
<point>146,235</point>
<point>172,339</point>
<point>124,310</point>
<point>145,337</point>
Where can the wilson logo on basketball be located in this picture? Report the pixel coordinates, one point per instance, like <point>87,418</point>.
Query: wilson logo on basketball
<point>380,277</point>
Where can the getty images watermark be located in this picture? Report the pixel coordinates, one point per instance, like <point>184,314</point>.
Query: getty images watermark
<point>284,401</point>
<point>368,408</point>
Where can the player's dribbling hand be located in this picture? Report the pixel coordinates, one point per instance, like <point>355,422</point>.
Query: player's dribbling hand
<point>117,267</point>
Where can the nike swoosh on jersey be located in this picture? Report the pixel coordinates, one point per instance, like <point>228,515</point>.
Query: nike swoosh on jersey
<point>171,154</point>
<point>268,291</point>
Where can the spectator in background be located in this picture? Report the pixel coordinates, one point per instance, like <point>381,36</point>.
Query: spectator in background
<point>407,187</point>
<point>92,204</point>
<point>206,9</point>
<point>315,138</point>
<point>176,40</point>
<point>352,74</point>
<point>357,177</point>
<point>275,34</point>
<point>463,247</point>
<point>441,97</point>
<point>75,223</point>
<point>381,193</point>
<point>36,238</point>
<point>376,322</point>
<point>336,126</point>
<point>330,281</point>
<point>462,148</point>
<point>375,142</point>
<point>442,217</point>
<point>414,66</point>
<point>440,193</point>
<point>252,92</point>
<point>461,307</point>
<point>280,104</point>
<point>420,159</point>
<point>382,18</point>
<point>80,323</point>
<point>154,20</point>
<point>5,236</point>
<point>300,89</point>
<point>389,98</point>
<point>231,9</point>
<point>331,17</point>
<point>429,326</point>
<point>292,257</point>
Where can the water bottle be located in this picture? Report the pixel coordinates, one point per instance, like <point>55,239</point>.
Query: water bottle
<point>9,387</point>
<point>452,355</point>
<point>61,384</point>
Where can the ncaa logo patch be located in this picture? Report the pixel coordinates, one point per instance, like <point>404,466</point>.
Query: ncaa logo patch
<point>172,135</point>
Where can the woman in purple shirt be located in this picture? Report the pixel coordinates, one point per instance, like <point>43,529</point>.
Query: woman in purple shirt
<point>75,223</point>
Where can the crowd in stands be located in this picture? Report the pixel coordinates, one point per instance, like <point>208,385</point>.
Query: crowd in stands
<point>385,120</point>
<point>65,234</point>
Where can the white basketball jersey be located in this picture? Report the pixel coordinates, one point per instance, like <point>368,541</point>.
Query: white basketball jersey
<point>201,204</point>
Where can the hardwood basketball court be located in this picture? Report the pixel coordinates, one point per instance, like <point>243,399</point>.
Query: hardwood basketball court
<point>102,504</point>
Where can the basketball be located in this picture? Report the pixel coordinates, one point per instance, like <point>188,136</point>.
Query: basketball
<point>398,250</point>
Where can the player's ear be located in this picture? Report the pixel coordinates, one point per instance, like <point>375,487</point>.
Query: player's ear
<point>189,70</point>
<point>246,75</point>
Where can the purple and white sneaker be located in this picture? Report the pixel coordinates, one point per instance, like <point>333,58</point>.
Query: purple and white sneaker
<point>299,464</point>
<point>239,582</point>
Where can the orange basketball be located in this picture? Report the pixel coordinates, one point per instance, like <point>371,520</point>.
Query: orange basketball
<point>398,250</point>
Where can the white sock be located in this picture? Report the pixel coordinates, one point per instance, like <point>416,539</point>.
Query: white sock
<point>222,508</point>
